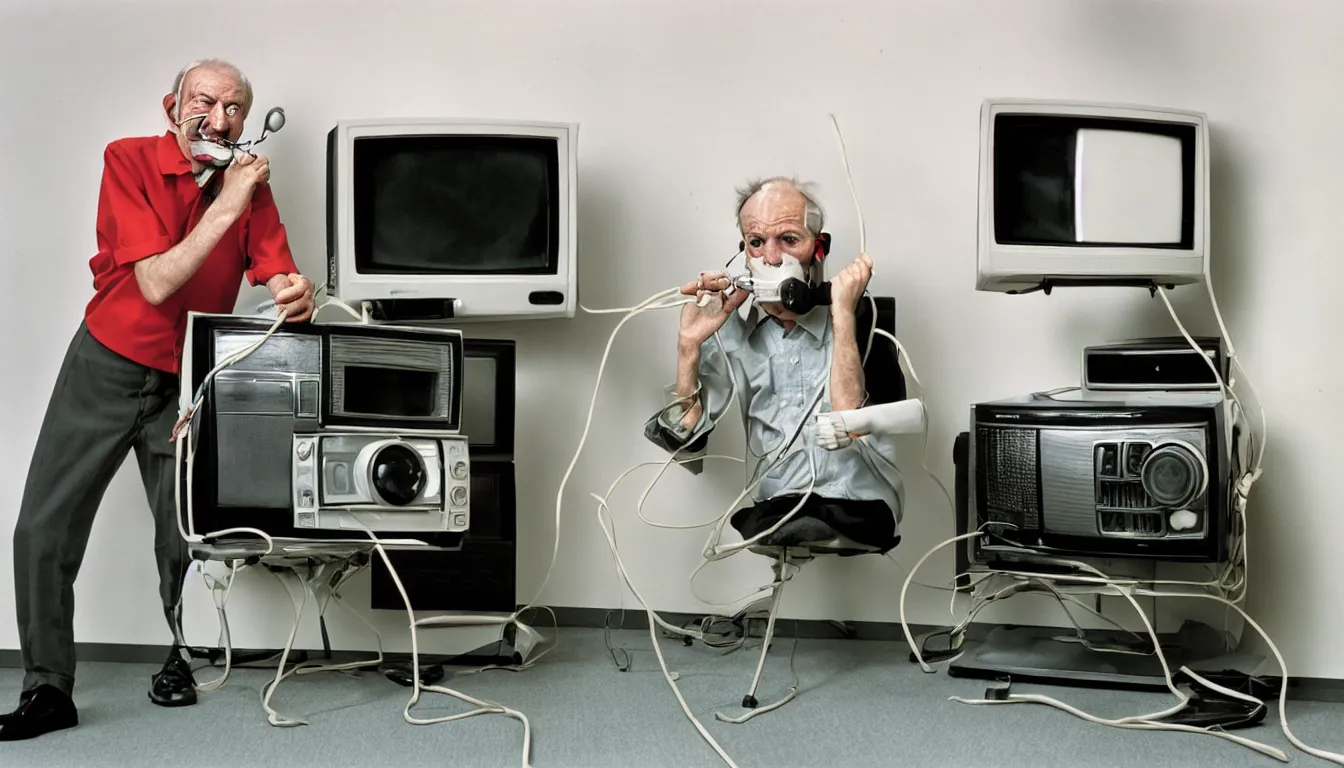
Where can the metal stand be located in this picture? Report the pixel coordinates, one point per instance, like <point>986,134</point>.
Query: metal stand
<point>781,578</point>
<point>1057,656</point>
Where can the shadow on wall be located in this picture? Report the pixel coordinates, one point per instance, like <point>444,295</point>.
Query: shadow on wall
<point>1232,218</point>
<point>1141,315</point>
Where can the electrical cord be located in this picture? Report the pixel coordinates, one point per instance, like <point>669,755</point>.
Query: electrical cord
<point>713,549</point>
<point>183,434</point>
<point>1128,589</point>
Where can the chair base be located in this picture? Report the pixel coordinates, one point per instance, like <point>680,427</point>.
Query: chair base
<point>794,543</point>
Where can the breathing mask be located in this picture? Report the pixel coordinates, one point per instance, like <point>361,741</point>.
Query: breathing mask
<point>798,288</point>
<point>216,152</point>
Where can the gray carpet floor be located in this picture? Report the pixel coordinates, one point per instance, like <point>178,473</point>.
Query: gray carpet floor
<point>861,703</point>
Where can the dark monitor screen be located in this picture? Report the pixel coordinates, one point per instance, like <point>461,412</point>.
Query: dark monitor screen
<point>478,400</point>
<point>1089,181</point>
<point>442,204</point>
<point>390,391</point>
<point>489,371</point>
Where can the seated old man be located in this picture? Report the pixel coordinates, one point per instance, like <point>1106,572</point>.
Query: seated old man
<point>787,366</point>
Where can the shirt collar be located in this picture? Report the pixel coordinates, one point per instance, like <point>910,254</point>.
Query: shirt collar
<point>814,322</point>
<point>171,160</point>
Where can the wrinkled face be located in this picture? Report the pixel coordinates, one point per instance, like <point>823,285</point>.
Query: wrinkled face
<point>212,105</point>
<point>776,239</point>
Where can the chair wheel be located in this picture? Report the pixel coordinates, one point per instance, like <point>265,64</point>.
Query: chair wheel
<point>749,702</point>
<point>687,641</point>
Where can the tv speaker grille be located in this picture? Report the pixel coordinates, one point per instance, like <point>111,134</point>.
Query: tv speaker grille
<point>1007,459</point>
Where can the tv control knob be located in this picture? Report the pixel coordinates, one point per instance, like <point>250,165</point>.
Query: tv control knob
<point>460,470</point>
<point>303,450</point>
<point>459,495</point>
<point>306,497</point>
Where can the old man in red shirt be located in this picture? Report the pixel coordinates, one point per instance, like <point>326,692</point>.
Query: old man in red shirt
<point>182,219</point>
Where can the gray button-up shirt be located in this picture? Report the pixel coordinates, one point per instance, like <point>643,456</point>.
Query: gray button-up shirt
<point>780,377</point>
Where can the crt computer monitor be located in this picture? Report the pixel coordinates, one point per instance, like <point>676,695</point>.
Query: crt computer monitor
<point>453,219</point>
<point>1090,193</point>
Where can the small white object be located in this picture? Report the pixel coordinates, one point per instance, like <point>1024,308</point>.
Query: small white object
<point>1183,520</point>
<point>902,417</point>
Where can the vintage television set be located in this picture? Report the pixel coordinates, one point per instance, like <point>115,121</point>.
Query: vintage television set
<point>325,431</point>
<point>437,220</point>
<point>479,574</point>
<point>1127,479</point>
<point>1081,193</point>
<point>1071,474</point>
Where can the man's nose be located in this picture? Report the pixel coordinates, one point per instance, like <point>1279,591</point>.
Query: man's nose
<point>218,119</point>
<point>772,255</point>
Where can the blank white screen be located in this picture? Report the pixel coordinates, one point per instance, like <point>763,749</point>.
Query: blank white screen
<point>1128,187</point>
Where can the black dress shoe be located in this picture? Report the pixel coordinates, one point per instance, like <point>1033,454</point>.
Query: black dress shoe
<point>26,695</point>
<point>41,710</point>
<point>174,685</point>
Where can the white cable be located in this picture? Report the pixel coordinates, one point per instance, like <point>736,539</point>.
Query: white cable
<point>1232,356</point>
<point>221,608</point>
<point>340,305</point>
<point>654,620</point>
<point>905,586</point>
<point>1143,722</point>
<point>482,707</point>
<point>1333,757</point>
<point>858,209</point>
<point>713,548</point>
<point>311,667</point>
<point>268,690</point>
<point>924,438</point>
<point>1239,560</point>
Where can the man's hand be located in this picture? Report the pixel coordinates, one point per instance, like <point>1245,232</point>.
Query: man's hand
<point>710,310</point>
<point>293,294</point>
<point>240,178</point>
<point>848,286</point>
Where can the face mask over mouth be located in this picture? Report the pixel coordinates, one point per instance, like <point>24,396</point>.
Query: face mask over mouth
<point>212,153</point>
<point>767,278</point>
<point>206,150</point>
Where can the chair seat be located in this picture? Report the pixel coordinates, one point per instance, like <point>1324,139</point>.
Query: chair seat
<point>807,536</point>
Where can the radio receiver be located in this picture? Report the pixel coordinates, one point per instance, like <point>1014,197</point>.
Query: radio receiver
<point>1078,474</point>
<point>327,431</point>
<point>1168,364</point>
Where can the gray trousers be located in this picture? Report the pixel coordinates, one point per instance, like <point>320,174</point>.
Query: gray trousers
<point>102,406</point>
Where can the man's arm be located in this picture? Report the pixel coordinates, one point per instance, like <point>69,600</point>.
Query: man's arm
<point>847,381</point>
<point>268,252</point>
<point>697,400</point>
<point>688,381</point>
<point>136,235</point>
<point>162,275</point>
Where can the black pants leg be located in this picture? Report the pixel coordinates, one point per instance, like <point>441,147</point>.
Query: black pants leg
<point>101,407</point>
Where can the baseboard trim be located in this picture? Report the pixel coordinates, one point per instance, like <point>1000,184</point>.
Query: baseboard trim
<point>1299,688</point>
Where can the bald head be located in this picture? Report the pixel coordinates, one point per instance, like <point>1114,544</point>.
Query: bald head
<point>219,69</point>
<point>779,194</point>
<point>210,100</point>
<point>779,223</point>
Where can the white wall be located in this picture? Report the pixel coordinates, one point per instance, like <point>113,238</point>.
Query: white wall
<point>680,101</point>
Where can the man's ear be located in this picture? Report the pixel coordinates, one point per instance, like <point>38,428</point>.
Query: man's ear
<point>170,109</point>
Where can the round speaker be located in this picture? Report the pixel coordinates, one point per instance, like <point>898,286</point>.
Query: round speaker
<point>397,474</point>
<point>1173,475</point>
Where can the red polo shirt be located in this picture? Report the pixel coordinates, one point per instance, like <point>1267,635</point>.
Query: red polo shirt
<point>148,203</point>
